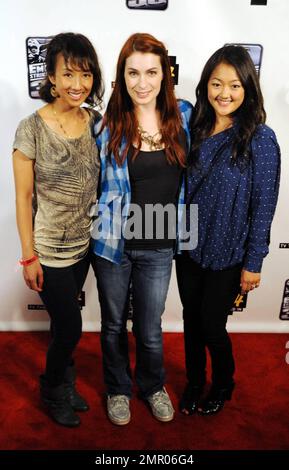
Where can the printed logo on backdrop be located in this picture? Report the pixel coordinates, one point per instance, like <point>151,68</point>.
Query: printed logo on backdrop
<point>284,311</point>
<point>81,301</point>
<point>283,245</point>
<point>174,69</point>
<point>239,304</point>
<point>255,51</point>
<point>258,2</point>
<point>147,4</point>
<point>36,48</point>
<point>36,307</point>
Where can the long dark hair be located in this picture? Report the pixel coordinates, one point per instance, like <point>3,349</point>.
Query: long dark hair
<point>249,115</point>
<point>77,49</point>
<point>120,114</point>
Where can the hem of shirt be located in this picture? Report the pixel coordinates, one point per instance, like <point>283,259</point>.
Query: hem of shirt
<point>61,263</point>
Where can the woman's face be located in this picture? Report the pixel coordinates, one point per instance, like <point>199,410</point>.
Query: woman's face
<point>143,78</point>
<point>72,83</point>
<point>225,90</point>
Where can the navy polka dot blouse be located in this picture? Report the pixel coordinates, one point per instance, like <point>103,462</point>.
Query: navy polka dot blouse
<point>236,201</point>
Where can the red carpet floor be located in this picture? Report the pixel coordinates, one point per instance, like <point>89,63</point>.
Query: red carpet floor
<point>256,418</point>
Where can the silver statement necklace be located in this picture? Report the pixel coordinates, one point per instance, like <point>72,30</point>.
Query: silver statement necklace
<point>61,125</point>
<point>153,141</point>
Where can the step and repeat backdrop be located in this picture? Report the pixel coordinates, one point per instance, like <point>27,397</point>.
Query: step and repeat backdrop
<point>192,30</point>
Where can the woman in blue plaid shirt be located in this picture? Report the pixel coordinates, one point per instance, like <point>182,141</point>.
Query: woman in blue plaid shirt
<point>143,141</point>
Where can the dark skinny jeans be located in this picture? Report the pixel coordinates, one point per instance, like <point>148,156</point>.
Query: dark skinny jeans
<point>207,297</point>
<point>61,289</point>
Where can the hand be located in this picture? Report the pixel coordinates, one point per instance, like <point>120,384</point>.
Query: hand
<point>33,276</point>
<point>249,281</point>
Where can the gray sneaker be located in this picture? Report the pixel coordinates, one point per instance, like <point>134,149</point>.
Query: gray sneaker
<point>161,405</point>
<point>118,409</point>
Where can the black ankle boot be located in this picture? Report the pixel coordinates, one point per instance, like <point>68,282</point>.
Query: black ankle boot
<point>215,400</point>
<point>77,402</point>
<point>190,399</point>
<point>55,401</point>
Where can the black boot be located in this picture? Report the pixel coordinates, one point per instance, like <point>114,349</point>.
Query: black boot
<point>215,400</point>
<point>190,399</point>
<point>77,402</point>
<point>55,401</point>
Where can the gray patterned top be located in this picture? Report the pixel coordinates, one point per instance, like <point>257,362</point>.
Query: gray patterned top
<point>66,176</point>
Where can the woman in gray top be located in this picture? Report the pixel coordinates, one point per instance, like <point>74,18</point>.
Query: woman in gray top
<point>56,168</point>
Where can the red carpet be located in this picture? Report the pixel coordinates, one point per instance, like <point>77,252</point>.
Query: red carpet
<point>256,418</point>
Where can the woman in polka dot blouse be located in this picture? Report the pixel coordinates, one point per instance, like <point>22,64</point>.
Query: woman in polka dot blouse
<point>233,177</point>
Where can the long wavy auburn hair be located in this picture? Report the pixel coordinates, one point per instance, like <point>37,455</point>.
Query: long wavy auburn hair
<point>120,116</point>
<point>249,115</point>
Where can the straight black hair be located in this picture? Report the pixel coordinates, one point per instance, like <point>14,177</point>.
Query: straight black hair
<point>249,115</point>
<point>79,51</point>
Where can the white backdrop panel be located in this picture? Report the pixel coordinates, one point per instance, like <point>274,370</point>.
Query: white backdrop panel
<point>192,31</point>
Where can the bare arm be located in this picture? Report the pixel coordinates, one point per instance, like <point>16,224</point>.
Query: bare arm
<point>24,181</point>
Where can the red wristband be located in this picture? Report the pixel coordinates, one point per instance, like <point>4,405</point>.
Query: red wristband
<point>26,262</point>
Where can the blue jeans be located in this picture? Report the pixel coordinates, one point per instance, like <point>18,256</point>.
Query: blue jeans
<point>150,272</point>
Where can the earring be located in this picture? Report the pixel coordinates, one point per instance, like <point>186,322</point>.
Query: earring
<point>53,92</point>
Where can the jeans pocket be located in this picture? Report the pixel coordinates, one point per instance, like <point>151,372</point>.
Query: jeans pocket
<point>164,250</point>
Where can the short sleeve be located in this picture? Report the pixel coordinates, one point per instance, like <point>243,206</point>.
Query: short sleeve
<point>25,137</point>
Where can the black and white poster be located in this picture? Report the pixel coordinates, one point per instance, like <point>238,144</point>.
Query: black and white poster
<point>36,52</point>
<point>284,311</point>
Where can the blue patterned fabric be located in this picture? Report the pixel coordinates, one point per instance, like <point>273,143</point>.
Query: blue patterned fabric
<point>236,202</point>
<point>115,195</point>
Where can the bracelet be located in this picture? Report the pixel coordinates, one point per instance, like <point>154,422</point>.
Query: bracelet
<point>26,262</point>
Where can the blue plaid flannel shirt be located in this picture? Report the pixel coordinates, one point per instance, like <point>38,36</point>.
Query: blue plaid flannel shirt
<point>112,209</point>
